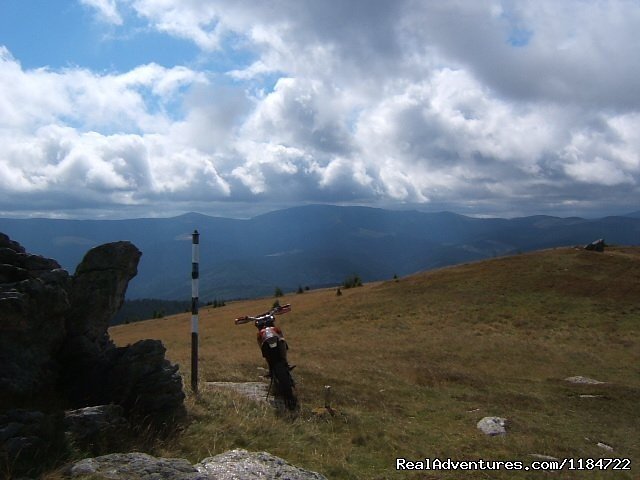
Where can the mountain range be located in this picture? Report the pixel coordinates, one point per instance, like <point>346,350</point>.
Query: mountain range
<point>314,246</point>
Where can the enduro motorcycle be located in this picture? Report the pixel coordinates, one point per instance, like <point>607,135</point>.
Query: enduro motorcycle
<point>274,349</point>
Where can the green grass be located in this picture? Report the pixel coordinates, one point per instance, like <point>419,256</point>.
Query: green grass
<point>415,363</point>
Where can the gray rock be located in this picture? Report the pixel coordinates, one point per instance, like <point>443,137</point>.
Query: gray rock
<point>604,446</point>
<point>97,429</point>
<point>493,425</point>
<point>580,380</point>
<point>135,466</point>
<point>243,465</point>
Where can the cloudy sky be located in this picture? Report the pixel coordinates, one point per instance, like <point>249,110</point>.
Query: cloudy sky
<point>129,108</point>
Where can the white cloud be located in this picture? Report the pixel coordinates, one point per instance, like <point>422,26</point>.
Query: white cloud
<point>480,104</point>
<point>190,19</point>
<point>107,10</point>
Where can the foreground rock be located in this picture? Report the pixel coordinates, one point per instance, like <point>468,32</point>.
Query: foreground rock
<point>243,465</point>
<point>232,465</point>
<point>134,466</point>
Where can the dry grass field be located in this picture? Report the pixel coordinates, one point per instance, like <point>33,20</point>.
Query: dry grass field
<point>414,364</point>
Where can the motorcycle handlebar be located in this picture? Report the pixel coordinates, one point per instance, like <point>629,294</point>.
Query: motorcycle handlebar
<point>279,310</point>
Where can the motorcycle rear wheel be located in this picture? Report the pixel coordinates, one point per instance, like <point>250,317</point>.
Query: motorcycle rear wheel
<point>284,385</point>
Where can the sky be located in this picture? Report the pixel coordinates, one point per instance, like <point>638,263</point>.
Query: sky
<point>148,108</point>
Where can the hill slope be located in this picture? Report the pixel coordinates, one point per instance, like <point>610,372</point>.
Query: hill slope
<point>312,245</point>
<point>414,364</point>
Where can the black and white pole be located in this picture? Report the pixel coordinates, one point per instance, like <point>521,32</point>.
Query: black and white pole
<point>195,260</point>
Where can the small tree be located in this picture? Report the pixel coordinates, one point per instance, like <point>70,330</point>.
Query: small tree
<point>278,292</point>
<point>300,290</point>
<point>338,292</point>
<point>353,281</point>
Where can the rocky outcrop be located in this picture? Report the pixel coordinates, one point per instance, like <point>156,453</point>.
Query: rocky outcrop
<point>232,465</point>
<point>96,293</point>
<point>56,354</point>
<point>33,304</point>
<point>137,377</point>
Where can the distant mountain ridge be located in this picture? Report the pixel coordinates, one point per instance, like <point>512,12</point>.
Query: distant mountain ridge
<point>316,245</point>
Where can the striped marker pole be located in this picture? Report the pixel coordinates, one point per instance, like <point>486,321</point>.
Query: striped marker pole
<point>195,260</point>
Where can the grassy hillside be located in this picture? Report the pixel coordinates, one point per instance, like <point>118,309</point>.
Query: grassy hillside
<point>414,364</point>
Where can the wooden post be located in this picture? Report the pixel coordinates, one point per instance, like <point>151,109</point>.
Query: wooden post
<point>327,397</point>
<point>195,260</point>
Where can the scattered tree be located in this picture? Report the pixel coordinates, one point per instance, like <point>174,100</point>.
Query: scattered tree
<point>352,281</point>
<point>278,292</point>
<point>216,303</point>
<point>338,292</point>
<point>300,290</point>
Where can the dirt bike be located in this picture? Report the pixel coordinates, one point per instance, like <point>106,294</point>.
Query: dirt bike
<point>274,349</point>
